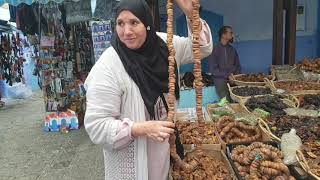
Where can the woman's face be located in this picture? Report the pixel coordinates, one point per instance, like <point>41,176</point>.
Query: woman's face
<point>131,30</point>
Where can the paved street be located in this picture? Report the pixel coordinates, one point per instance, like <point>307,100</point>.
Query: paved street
<point>29,153</point>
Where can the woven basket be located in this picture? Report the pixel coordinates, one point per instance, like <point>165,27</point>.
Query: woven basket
<point>265,128</point>
<point>286,72</point>
<point>216,152</point>
<point>233,80</point>
<point>238,98</point>
<point>272,85</point>
<point>234,106</point>
<point>300,157</point>
<point>303,94</point>
<point>264,137</point>
<point>289,100</point>
<point>304,164</point>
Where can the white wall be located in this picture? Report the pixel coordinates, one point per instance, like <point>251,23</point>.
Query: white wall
<point>253,19</point>
<point>4,14</point>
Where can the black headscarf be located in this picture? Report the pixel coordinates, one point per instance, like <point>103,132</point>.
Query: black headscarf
<point>148,65</point>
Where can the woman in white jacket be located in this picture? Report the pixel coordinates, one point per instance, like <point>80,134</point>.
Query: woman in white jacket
<point>127,90</point>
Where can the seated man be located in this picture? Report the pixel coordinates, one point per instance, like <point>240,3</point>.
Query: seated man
<point>224,61</point>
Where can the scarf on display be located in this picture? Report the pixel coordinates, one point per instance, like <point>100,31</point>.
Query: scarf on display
<point>148,65</point>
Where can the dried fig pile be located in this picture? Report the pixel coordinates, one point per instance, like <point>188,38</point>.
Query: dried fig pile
<point>260,161</point>
<point>188,167</point>
<point>232,131</point>
<point>189,133</point>
<point>209,168</point>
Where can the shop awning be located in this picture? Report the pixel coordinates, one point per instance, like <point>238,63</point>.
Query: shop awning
<point>29,2</point>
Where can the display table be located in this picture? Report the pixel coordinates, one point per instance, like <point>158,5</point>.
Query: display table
<point>188,97</point>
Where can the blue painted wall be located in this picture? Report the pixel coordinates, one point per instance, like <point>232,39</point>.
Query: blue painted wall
<point>255,56</point>
<point>215,21</point>
<point>252,24</point>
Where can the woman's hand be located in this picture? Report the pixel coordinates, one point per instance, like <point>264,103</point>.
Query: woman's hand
<point>186,7</point>
<point>156,130</point>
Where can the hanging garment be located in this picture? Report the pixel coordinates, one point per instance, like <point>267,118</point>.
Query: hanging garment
<point>78,11</point>
<point>26,20</point>
<point>105,9</point>
<point>13,12</point>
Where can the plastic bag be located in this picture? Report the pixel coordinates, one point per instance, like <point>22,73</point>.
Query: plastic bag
<point>290,143</point>
<point>246,118</point>
<point>222,111</point>
<point>223,102</point>
<point>261,113</point>
<point>301,112</point>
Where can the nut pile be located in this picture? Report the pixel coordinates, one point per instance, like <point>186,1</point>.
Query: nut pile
<point>232,131</point>
<point>209,168</point>
<point>260,161</point>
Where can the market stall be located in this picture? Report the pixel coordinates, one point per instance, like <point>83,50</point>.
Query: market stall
<point>68,40</point>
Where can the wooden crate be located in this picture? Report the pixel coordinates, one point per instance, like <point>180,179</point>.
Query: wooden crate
<point>214,151</point>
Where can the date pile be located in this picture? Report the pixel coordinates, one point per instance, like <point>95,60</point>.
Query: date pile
<point>250,91</point>
<point>308,129</point>
<point>209,168</point>
<point>296,85</point>
<point>310,101</point>
<point>271,104</point>
<point>232,131</point>
<point>253,77</point>
<point>260,161</point>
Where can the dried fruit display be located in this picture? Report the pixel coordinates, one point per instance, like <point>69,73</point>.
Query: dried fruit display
<point>310,65</point>
<point>308,129</point>
<point>287,72</point>
<point>260,161</point>
<point>296,85</point>
<point>197,59</point>
<point>189,133</point>
<point>250,91</point>
<point>253,77</point>
<point>311,152</point>
<point>310,101</point>
<point>183,165</point>
<point>232,131</point>
<point>271,104</point>
<point>172,82</point>
<point>209,168</point>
